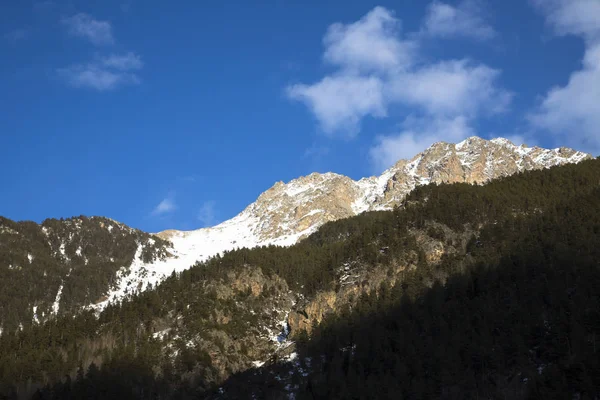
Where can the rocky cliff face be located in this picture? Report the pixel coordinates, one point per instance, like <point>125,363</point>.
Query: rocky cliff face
<point>303,204</point>
<point>286,213</point>
<point>307,202</point>
<point>355,278</point>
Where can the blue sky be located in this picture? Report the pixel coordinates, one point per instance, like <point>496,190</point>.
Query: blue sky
<point>166,115</point>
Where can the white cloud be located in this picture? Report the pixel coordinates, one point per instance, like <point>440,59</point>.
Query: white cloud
<point>340,102</point>
<point>378,70</point>
<point>451,88</point>
<point>572,112</point>
<point>167,205</point>
<point>372,43</point>
<point>416,135</point>
<point>577,17</point>
<point>85,26</point>
<point>316,151</point>
<point>123,62</point>
<point>463,21</point>
<point>207,214</point>
<point>104,74</point>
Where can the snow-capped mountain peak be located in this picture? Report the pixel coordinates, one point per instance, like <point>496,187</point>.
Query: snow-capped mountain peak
<point>288,212</point>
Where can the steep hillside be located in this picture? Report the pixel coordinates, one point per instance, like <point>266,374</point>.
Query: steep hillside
<point>77,263</point>
<point>285,213</point>
<point>517,254</point>
<point>520,320</point>
<point>60,265</point>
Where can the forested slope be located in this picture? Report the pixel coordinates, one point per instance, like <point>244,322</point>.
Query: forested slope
<point>60,266</point>
<point>520,320</point>
<point>513,314</point>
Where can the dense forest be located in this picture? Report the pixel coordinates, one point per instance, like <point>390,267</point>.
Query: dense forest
<point>514,315</point>
<point>80,255</point>
<point>522,321</point>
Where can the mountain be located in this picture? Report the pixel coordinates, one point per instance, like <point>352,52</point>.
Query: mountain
<point>286,213</point>
<point>58,266</point>
<point>465,291</point>
<point>91,262</point>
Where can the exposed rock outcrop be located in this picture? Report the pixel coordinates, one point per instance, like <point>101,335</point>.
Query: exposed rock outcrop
<point>356,278</point>
<point>288,212</point>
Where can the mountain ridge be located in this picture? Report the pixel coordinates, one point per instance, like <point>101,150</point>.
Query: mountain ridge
<point>282,215</point>
<point>288,212</point>
<point>255,311</point>
<point>420,168</point>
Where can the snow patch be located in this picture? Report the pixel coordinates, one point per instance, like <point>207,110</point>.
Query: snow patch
<point>56,304</point>
<point>191,247</point>
<point>252,227</point>
<point>161,334</point>
<point>311,212</point>
<point>35,317</point>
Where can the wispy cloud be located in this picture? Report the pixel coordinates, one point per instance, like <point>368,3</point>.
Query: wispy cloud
<point>106,73</point>
<point>16,35</point>
<point>466,20</point>
<point>103,73</point>
<point>123,62</point>
<point>379,68</point>
<point>340,102</point>
<point>207,214</point>
<point>316,151</point>
<point>85,26</point>
<point>572,17</point>
<point>187,178</point>
<point>373,43</point>
<point>167,205</point>
<point>572,112</point>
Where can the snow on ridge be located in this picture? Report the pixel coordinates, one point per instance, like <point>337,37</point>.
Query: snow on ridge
<point>577,157</point>
<point>254,226</point>
<point>503,142</point>
<point>371,189</point>
<point>308,182</point>
<point>190,247</point>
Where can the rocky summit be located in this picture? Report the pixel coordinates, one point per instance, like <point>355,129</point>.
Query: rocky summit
<point>304,204</point>
<point>282,215</point>
<point>288,212</point>
<point>138,312</point>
